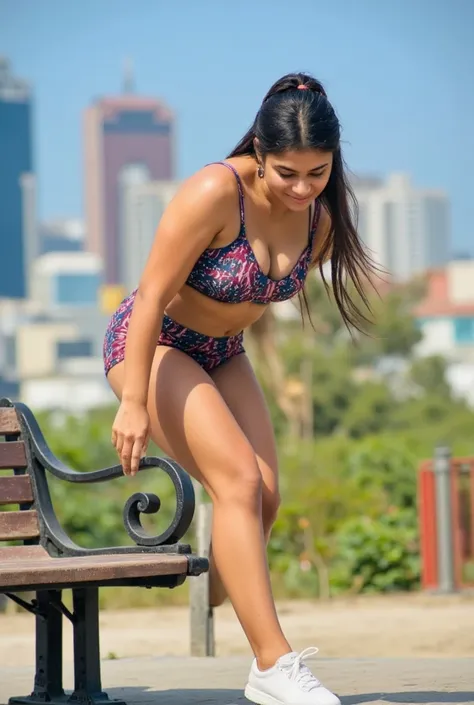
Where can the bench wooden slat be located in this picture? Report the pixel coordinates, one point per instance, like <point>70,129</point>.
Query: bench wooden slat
<point>15,489</point>
<point>9,422</point>
<point>22,553</point>
<point>18,525</point>
<point>35,571</point>
<point>13,455</point>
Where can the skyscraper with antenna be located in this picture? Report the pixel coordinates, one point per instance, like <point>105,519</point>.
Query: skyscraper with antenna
<point>128,138</point>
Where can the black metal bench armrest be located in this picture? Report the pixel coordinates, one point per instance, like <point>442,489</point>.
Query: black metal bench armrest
<point>140,502</point>
<point>50,462</point>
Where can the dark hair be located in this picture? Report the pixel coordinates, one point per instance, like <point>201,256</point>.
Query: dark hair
<point>293,119</point>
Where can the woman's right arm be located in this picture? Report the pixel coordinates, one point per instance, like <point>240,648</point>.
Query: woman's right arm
<point>198,212</point>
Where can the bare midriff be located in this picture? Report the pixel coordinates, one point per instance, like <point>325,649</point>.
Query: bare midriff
<point>210,317</point>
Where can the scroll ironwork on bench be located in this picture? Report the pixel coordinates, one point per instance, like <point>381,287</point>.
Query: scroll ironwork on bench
<point>58,543</point>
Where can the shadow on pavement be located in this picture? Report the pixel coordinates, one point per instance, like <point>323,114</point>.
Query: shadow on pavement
<point>178,696</point>
<point>183,696</point>
<point>411,696</point>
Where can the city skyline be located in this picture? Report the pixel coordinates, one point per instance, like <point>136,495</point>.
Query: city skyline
<point>400,98</point>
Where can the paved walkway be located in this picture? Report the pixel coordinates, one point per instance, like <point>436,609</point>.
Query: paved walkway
<point>187,681</point>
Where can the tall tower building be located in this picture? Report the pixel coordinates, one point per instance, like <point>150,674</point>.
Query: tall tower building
<point>124,135</point>
<point>406,229</point>
<point>145,204</point>
<point>16,183</point>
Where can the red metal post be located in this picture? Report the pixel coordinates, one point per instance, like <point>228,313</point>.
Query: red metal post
<point>457,529</point>
<point>427,524</point>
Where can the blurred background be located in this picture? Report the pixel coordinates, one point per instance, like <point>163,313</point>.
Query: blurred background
<point>105,107</point>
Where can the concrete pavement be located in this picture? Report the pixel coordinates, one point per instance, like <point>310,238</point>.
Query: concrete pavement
<point>220,681</point>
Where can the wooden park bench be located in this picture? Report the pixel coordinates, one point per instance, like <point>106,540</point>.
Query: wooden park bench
<point>46,561</point>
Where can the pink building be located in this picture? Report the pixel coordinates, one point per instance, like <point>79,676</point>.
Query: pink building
<point>126,138</point>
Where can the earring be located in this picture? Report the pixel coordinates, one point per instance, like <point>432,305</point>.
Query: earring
<point>260,171</point>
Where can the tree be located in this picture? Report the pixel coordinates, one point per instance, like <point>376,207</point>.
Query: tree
<point>395,331</point>
<point>428,374</point>
<point>370,410</point>
<point>385,463</point>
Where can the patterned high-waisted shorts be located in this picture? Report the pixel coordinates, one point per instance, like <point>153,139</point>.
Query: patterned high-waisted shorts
<point>208,352</point>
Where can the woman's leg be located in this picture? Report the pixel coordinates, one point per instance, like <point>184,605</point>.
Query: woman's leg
<point>238,386</point>
<point>192,423</point>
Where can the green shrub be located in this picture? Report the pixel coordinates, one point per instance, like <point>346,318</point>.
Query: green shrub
<point>378,555</point>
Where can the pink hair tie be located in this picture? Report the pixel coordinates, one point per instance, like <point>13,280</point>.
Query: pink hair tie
<point>302,87</point>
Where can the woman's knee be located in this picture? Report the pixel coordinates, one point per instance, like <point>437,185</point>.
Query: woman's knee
<point>240,481</point>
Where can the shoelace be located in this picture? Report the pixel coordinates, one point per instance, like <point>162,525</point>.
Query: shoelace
<point>299,672</point>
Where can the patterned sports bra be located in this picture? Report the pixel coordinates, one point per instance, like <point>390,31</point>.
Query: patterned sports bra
<point>231,274</point>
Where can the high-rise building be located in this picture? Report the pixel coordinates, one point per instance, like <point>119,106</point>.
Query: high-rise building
<point>16,183</point>
<point>124,135</point>
<point>406,229</point>
<point>144,204</point>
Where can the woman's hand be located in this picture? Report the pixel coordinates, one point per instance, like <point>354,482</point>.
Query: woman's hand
<point>130,434</point>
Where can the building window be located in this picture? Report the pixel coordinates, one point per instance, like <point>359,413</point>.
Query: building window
<point>464,330</point>
<point>133,121</point>
<point>77,289</point>
<point>66,349</point>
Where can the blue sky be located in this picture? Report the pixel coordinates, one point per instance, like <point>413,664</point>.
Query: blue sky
<point>399,72</point>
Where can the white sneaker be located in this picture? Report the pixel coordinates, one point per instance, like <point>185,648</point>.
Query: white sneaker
<point>288,682</point>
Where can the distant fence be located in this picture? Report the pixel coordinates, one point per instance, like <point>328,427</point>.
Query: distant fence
<point>446,520</point>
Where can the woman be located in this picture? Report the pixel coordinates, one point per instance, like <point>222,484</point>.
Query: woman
<point>239,235</point>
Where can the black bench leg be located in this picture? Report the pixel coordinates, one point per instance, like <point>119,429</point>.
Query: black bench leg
<point>87,682</point>
<point>48,686</point>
